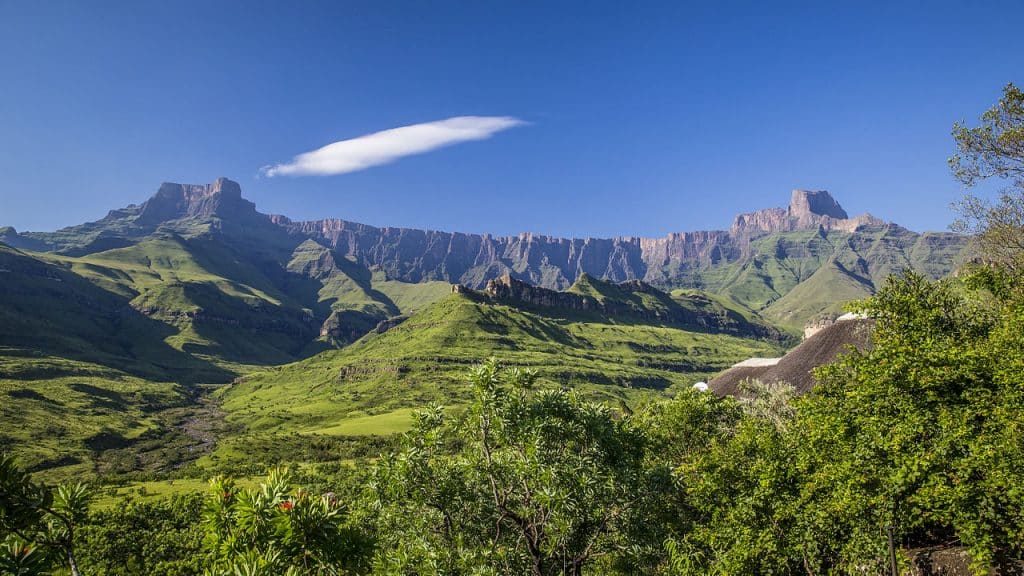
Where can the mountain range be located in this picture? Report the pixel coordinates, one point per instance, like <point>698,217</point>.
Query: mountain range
<point>812,244</point>
<point>194,304</point>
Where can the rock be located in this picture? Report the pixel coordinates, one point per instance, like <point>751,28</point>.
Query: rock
<point>619,300</point>
<point>808,203</point>
<point>473,259</point>
<point>509,289</point>
<point>385,325</point>
<point>808,209</point>
<point>222,198</point>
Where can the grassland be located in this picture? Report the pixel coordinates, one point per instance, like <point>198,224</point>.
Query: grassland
<point>370,387</point>
<point>68,418</point>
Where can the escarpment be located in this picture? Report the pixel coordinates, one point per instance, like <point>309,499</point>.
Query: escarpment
<point>472,259</point>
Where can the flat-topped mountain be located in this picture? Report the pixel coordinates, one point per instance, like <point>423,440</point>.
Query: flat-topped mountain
<point>756,263</point>
<point>222,198</point>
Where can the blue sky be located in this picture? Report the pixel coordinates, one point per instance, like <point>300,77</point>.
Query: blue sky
<point>638,118</point>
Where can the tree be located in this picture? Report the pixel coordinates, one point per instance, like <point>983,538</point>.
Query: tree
<point>163,536</point>
<point>921,432</point>
<point>995,149</point>
<point>730,511</point>
<point>539,482</point>
<point>274,530</point>
<point>38,523</point>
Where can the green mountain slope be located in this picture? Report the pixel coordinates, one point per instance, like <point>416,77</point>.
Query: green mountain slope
<point>103,356</point>
<point>857,267</point>
<point>65,418</point>
<point>50,310</point>
<point>371,385</point>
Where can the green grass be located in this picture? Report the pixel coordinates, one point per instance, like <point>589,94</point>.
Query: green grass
<point>392,422</point>
<point>64,418</point>
<point>149,491</point>
<point>369,387</point>
<point>411,297</point>
<point>827,290</point>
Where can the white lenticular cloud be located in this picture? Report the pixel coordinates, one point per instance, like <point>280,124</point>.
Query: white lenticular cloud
<point>390,145</point>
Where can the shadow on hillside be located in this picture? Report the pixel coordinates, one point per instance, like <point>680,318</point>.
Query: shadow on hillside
<point>56,312</point>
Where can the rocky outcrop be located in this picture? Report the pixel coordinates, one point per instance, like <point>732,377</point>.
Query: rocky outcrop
<point>385,325</point>
<point>806,203</point>
<point>632,299</point>
<point>346,326</point>
<point>509,289</point>
<point>222,198</point>
<point>808,209</point>
<point>10,236</point>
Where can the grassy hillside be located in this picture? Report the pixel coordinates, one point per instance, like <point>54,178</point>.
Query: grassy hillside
<point>790,277</point>
<point>103,356</point>
<point>50,310</point>
<point>65,418</point>
<point>370,386</point>
<point>827,290</point>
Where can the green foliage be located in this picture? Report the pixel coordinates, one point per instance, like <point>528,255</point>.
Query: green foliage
<point>913,433</point>
<point>160,537</point>
<point>996,147</point>
<point>734,483</point>
<point>37,523</point>
<point>274,530</point>
<point>542,482</point>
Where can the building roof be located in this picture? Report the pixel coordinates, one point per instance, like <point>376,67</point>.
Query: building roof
<point>795,367</point>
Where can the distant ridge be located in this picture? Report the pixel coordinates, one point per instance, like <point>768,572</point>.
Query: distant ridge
<point>631,300</point>
<point>812,245</point>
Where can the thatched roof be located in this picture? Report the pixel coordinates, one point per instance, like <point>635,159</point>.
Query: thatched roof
<point>725,384</point>
<point>795,367</point>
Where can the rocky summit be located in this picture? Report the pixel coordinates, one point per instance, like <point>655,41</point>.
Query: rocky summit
<point>222,198</point>
<point>808,209</point>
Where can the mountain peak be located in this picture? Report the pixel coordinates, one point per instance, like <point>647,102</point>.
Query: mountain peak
<point>808,209</point>
<point>804,203</point>
<point>223,197</point>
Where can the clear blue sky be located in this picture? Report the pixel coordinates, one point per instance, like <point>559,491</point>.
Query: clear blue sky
<point>643,118</point>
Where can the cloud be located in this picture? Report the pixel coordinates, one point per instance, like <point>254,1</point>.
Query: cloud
<point>390,145</point>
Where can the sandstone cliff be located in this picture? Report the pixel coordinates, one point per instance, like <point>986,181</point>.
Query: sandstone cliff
<point>222,198</point>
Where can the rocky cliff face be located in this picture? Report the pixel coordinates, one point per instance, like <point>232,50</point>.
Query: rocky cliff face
<point>471,259</point>
<point>755,262</point>
<point>222,198</point>
<point>808,209</point>
<point>509,289</point>
<point>632,299</point>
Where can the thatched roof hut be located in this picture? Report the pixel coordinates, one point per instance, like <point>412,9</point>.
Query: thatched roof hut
<point>795,367</point>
